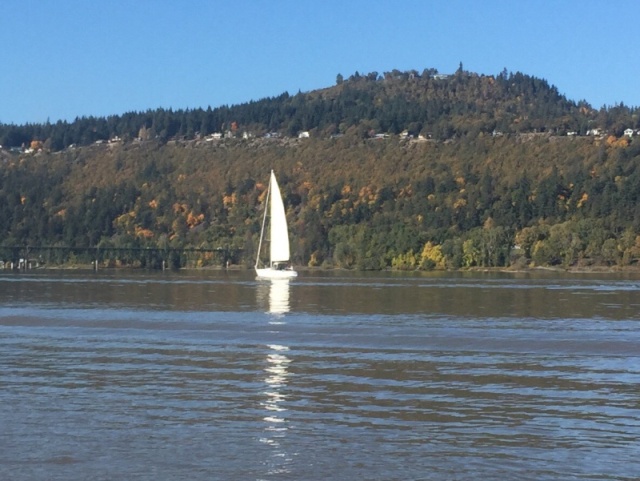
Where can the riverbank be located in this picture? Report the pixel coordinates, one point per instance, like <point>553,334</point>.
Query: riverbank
<point>592,269</point>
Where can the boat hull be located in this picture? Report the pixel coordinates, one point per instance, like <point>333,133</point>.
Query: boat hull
<point>269,273</point>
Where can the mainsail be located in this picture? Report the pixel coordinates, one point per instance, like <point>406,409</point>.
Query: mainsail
<point>279,248</point>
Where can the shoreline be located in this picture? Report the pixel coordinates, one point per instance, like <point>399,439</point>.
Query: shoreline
<point>595,269</point>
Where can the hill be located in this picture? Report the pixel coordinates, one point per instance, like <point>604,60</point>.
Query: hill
<point>400,170</point>
<point>430,104</point>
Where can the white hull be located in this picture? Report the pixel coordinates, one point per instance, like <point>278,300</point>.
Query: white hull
<point>269,273</point>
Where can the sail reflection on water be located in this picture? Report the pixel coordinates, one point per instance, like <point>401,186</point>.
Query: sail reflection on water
<point>279,296</point>
<point>276,379</point>
<point>273,297</point>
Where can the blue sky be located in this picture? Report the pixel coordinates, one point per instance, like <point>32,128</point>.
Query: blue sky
<point>67,58</point>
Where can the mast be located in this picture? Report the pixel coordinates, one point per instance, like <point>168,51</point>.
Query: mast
<point>264,223</point>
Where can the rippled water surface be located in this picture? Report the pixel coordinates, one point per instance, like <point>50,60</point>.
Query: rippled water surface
<point>215,375</point>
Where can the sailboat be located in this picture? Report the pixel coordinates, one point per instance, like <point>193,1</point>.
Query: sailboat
<point>279,266</point>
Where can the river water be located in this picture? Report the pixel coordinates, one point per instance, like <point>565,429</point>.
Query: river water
<point>346,376</point>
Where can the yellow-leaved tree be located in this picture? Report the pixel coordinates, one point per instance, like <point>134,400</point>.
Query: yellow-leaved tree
<point>405,262</point>
<point>432,257</point>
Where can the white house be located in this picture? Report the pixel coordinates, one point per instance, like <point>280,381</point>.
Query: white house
<point>213,136</point>
<point>628,132</point>
<point>303,135</point>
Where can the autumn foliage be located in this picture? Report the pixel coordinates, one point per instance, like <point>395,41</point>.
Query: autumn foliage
<point>472,171</point>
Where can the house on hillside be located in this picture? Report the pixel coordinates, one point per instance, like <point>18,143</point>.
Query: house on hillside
<point>213,136</point>
<point>629,132</point>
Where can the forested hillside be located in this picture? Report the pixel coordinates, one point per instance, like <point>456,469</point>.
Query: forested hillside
<point>436,106</point>
<point>400,170</point>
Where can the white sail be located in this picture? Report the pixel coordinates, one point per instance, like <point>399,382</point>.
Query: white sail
<point>279,237</point>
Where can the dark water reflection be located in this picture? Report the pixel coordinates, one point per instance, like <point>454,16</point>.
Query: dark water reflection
<point>218,376</point>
